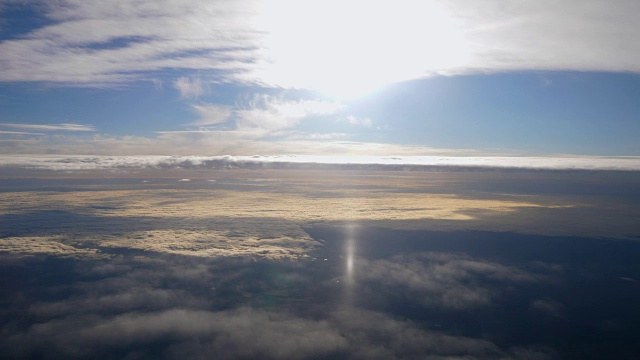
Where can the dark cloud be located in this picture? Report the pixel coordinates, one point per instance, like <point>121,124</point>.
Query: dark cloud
<point>238,333</point>
<point>182,307</point>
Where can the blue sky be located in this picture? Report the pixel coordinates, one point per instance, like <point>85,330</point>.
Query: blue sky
<point>321,78</point>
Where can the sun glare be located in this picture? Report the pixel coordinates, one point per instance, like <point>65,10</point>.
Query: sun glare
<point>348,48</point>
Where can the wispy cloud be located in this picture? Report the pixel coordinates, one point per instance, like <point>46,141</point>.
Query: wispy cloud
<point>49,127</point>
<point>210,114</point>
<point>301,135</point>
<point>189,88</point>
<point>270,113</point>
<point>19,133</point>
<point>157,84</point>
<point>252,43</point>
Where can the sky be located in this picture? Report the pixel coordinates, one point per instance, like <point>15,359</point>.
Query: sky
<point>277,77</point>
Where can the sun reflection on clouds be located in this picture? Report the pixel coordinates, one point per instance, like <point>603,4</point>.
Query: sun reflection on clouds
<point>349,274</point>
<point>350,251</point>
<point>349,48</point>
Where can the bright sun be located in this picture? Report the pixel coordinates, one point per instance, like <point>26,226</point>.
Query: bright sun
<point>347,48</point>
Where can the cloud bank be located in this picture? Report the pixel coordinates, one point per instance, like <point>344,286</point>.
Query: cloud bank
<point>78,163</point>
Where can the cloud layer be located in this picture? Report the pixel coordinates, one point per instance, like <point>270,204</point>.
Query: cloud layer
<point>251,42</point>
<point>75,163</point>
<point>290,264</point>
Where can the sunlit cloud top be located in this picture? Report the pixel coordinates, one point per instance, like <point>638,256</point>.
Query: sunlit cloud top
<point>81,163</point>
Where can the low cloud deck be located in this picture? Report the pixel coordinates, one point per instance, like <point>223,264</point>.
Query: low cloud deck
<point>320,264</point>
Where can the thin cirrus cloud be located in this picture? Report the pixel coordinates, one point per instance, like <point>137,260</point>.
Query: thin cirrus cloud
<point>211,114</point>
<point>260,116</point>
<point>18,133</point>
<point>189,88</point>
<point>47,127</point>
<point>251,42</point>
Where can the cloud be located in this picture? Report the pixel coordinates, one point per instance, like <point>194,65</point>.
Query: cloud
<point>157,84</point>
<point>50,127</point>
<point>269,113</point>
<point>376,335</point>
<point>211,114</point>
<point>19,133</point>
<point>348,332</point>
<point>46,245</point>
<point>289,135</point>
<point>189,88</point>
<point>245,142</point>
<point>115,44</point>
<point>183,307</point>
<point>75,162</point>
<point>260,117</point>
<point>246,42</point>
<point>440,279</point>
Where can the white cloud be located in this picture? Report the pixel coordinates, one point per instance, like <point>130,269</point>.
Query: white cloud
<point>301,135</point>
<point>269,113</point>
<point>75,162</point>
<point>189,88</point>
<point>96,43</point>
<point>18,133</point>
<point>50,127</point>
<point>109,43</point>
<point>210,114</point>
